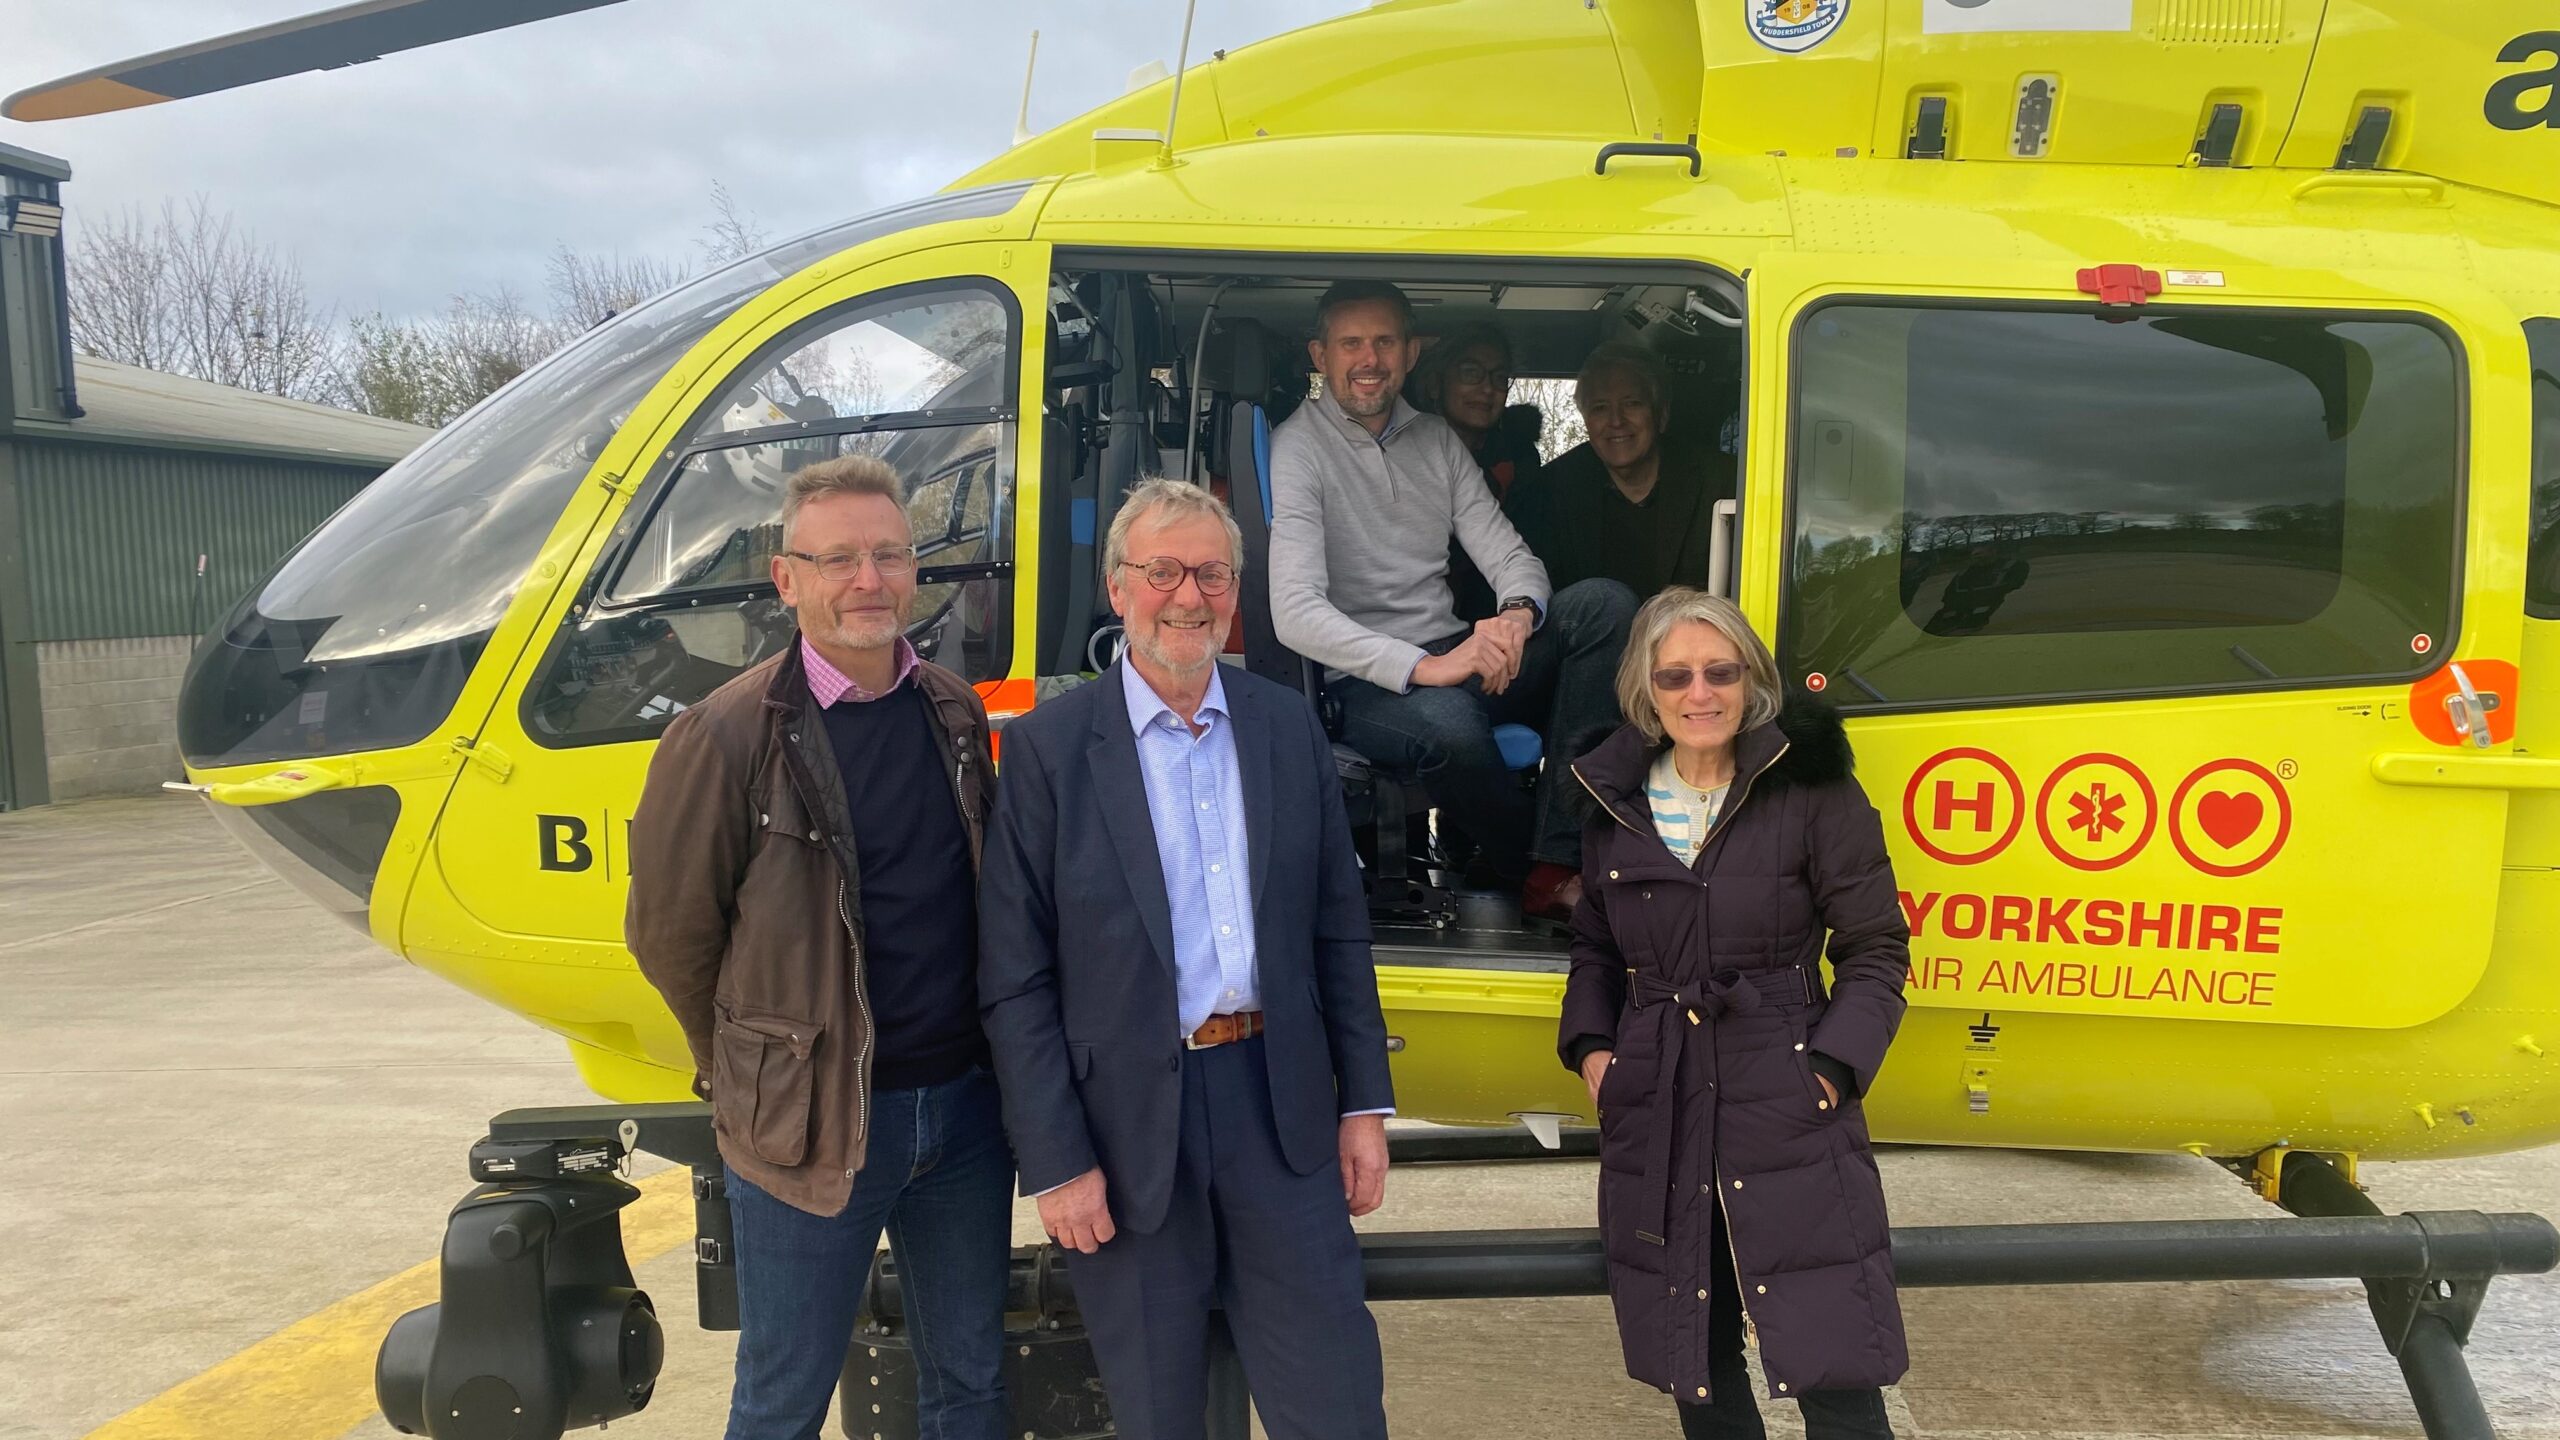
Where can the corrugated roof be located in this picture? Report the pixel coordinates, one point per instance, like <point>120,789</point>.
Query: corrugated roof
<point>126,402</point>
<point>28,162</point>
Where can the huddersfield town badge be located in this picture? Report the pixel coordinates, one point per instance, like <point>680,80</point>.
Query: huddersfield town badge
<point>1793,26</point>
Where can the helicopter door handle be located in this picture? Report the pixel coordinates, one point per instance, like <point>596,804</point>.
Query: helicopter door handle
<point>1688,152</point>
<point>2469,708</point>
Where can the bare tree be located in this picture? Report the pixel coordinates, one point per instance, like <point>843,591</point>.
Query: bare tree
<point>588,290</point>
<point>1554,398</point>
<point>732,234</point>
<point>188,292</point>
<point>426,372</point>
<point>429,370</point>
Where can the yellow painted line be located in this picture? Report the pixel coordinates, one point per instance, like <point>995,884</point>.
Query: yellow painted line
<point>314,1379</point>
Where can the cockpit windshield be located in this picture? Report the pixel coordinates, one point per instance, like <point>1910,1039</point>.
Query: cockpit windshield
<point>362,638</point>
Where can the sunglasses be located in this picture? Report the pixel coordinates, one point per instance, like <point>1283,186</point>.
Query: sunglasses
<point>1719,674</point>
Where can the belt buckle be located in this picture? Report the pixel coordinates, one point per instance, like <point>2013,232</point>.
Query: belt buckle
<point>1238,1028</point>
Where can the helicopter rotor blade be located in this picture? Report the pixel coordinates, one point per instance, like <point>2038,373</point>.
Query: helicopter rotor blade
<point>326,40</point>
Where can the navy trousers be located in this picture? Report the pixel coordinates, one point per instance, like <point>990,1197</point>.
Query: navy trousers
<point>938,1175</point>
<point>1246,1234</point>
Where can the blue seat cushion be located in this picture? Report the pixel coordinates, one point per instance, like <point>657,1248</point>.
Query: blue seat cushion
<point>1262,459</point>
<point>1519,745</point>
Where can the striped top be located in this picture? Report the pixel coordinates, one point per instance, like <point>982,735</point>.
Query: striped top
<point>1682,813</point>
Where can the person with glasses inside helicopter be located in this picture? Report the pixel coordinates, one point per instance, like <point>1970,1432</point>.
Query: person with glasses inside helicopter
<point>804,895</point>
<point>1465,379</point>
<point>1367,493</point>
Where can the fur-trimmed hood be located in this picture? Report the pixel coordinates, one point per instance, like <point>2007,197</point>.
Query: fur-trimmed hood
<point>1806,745</point>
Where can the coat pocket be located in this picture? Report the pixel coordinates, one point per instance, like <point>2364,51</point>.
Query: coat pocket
<point>1628,1097</point>
<point>1816,1102</point>
<point>779,813</point>
<point>761,1083</point>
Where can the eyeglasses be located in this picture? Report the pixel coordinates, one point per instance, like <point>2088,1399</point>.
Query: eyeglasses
<point>1468,372</point>
<point>1719,674</point>
<point>892,561</point>
<point>1215,577</point>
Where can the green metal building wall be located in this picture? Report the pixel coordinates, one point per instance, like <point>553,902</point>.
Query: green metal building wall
<point>113,532</point>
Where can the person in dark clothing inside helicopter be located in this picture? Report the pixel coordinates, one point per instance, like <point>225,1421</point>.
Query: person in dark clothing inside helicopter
<point>1465,379</point>
<point>1636,502</point>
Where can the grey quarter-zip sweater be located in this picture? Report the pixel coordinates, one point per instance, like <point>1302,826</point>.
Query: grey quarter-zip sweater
<point>1360,528</point>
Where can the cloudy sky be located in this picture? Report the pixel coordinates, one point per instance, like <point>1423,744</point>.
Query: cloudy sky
<point>460,167</point>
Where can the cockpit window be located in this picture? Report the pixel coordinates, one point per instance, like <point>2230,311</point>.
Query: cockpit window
<point>363,636</point>
<point>900,354</point>
<point>922,377</point>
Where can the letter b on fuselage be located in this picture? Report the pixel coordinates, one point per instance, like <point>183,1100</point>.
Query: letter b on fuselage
<point>564,843</point>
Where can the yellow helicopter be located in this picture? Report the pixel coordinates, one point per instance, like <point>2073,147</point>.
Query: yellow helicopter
<point>2148,416</point>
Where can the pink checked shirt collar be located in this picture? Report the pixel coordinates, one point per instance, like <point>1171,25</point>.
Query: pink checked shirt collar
<point>830,684</point>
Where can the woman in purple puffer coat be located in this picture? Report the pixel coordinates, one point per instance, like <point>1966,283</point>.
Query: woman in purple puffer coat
<point>1739,1201</point>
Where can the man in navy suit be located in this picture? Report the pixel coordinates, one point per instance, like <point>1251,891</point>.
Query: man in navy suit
<point>1175,977</point>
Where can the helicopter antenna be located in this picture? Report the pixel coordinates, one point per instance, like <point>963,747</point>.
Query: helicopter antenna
<point>1181,62</point>
<point>1022,119</point>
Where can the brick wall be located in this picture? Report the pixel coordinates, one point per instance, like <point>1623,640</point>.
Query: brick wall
<point>111,713</point>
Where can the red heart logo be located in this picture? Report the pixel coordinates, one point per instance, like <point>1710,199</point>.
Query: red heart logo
<point>2229,819</point>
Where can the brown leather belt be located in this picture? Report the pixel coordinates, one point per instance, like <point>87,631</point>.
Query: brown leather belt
<point>1225,1030</point>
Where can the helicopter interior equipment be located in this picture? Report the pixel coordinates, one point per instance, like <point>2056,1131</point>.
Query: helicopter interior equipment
<point>2148,435</point>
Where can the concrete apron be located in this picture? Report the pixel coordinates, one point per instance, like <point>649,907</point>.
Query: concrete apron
<point>239,1125</point>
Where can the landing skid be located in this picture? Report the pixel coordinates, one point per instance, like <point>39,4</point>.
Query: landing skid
<point>2426,1276</point>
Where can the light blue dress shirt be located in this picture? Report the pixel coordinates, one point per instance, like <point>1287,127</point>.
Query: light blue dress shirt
<point>1195,796</point>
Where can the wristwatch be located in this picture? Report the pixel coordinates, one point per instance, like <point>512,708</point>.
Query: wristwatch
<point>1517,602</point>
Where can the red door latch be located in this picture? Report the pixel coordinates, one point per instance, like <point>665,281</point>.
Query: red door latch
<point>2120,284</point>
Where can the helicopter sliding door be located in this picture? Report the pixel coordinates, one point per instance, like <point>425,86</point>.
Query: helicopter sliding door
<point>2138,611</point>
<point>919,360</point>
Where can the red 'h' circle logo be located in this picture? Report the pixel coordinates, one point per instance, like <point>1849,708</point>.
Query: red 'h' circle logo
<point>1963,791</point>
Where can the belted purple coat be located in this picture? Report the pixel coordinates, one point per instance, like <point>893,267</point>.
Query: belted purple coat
<point>1707,984</point>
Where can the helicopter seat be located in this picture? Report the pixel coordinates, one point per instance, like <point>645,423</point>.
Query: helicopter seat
<point>1389,813</point>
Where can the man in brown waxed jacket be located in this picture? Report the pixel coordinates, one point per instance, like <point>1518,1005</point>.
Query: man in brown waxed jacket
<point>803,893</point>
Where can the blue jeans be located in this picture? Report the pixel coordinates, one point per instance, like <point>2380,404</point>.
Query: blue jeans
<point>938,1175</point>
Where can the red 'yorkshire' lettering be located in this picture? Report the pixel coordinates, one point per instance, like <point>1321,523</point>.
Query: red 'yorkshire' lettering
<point>2101,922</point>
